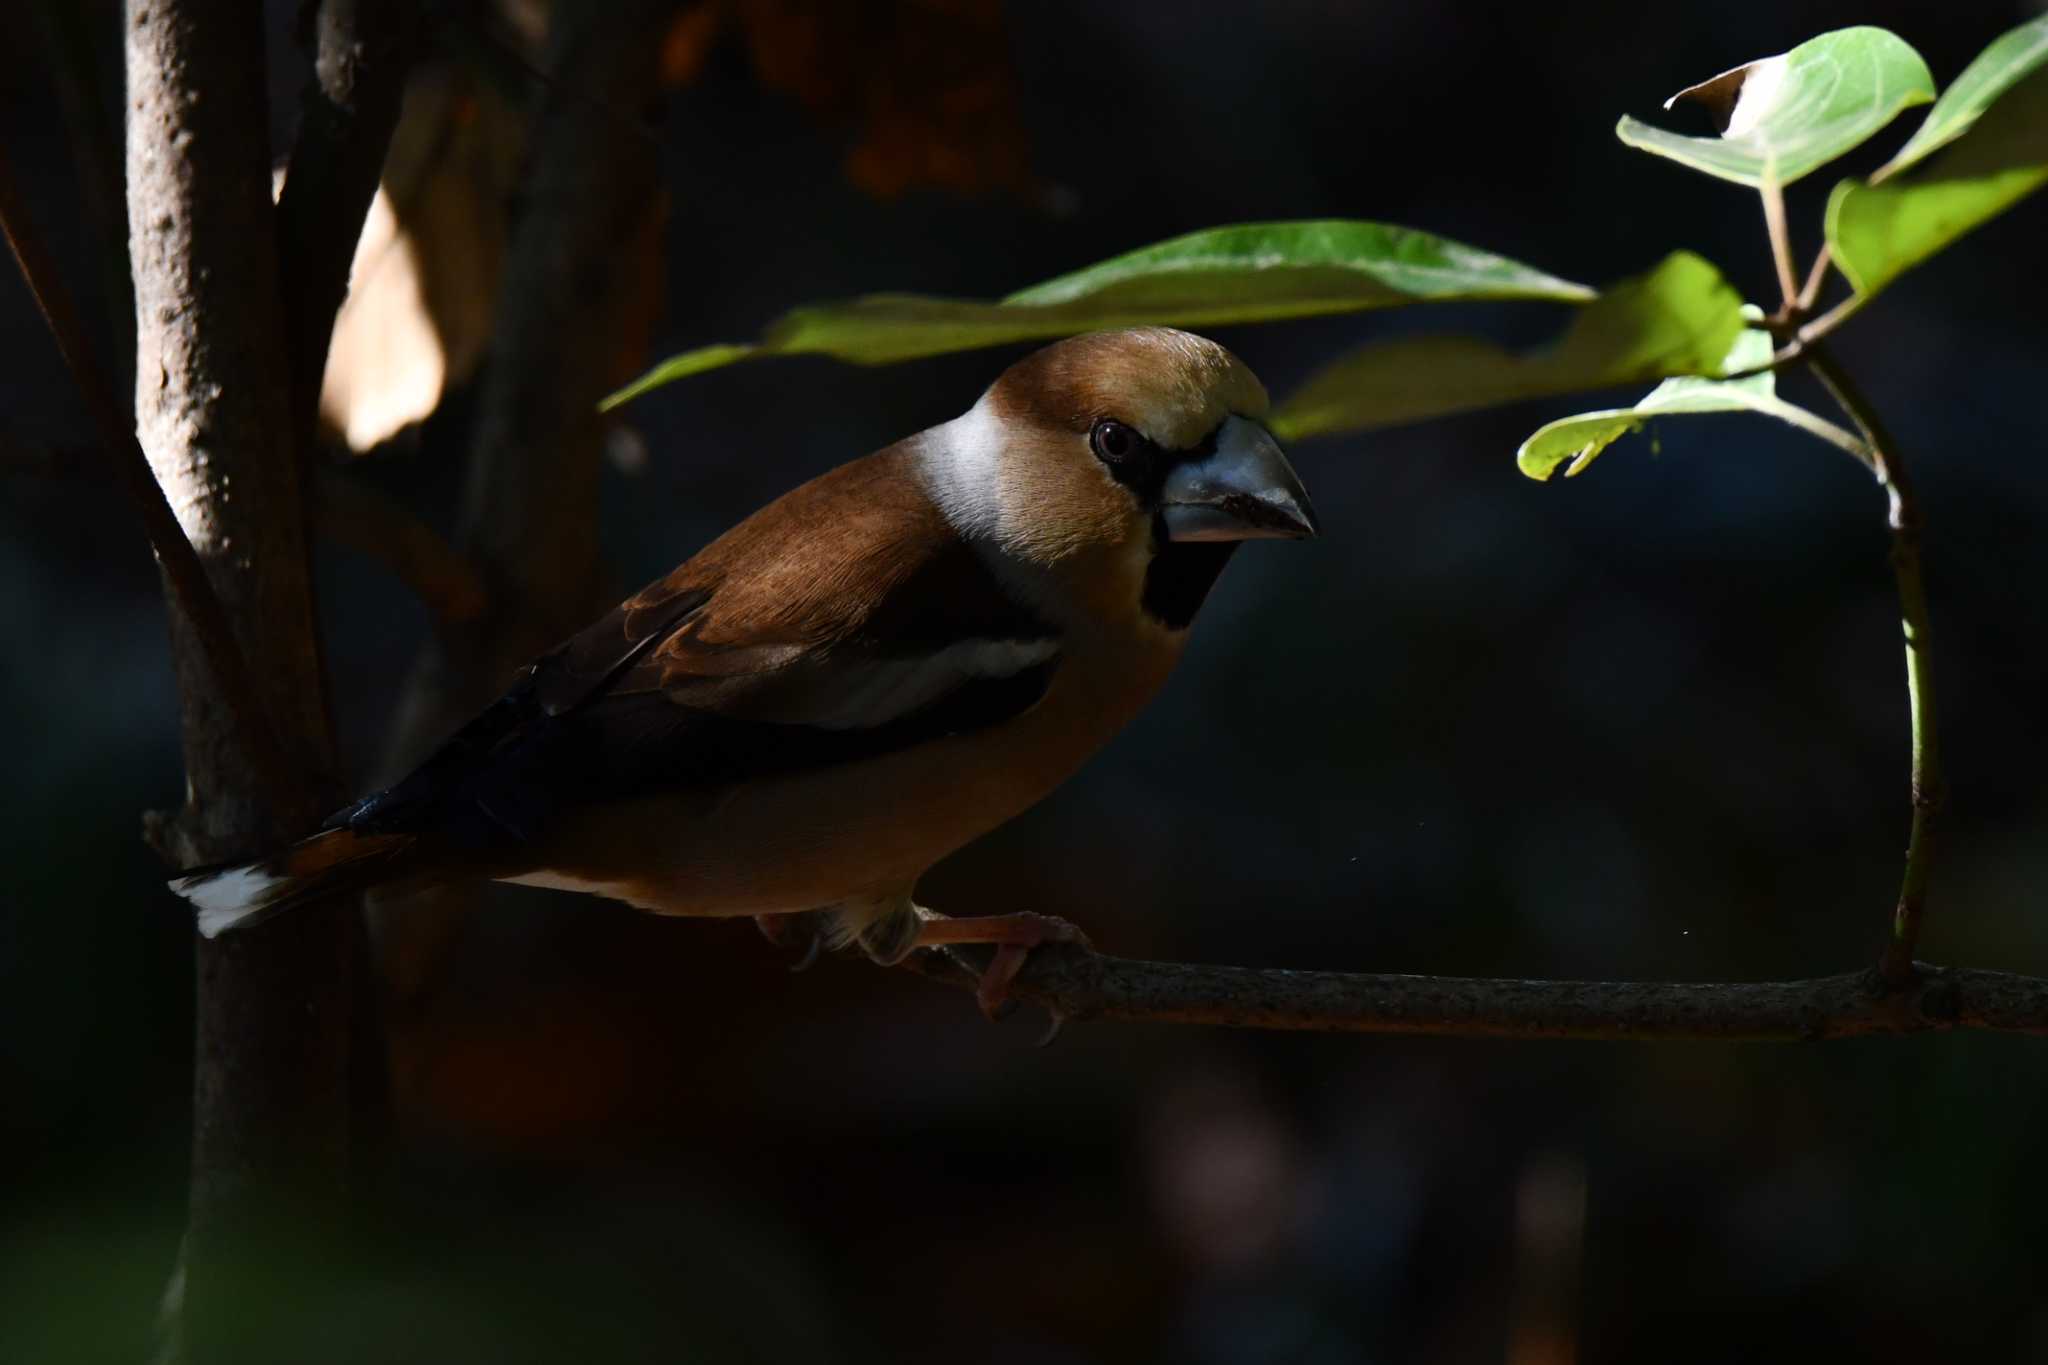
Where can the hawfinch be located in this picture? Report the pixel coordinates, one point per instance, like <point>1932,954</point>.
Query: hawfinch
<point>863,676</point>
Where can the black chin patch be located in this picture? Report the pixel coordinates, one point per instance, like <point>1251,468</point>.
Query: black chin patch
<point>1178,579</point>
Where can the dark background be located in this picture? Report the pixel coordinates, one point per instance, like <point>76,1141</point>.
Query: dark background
<point>1647,724</point>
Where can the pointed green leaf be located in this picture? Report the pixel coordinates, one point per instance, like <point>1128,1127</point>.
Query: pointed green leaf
<point>1680,318</point>
<point>1787,115</point>
<point>1254,272</point>
<point>1877,232</point>
<point>1579,440</point>
<point>1998,68</point>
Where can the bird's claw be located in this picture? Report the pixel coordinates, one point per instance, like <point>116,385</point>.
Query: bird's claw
<point>1025,932</point>
<point>1052,1029</point>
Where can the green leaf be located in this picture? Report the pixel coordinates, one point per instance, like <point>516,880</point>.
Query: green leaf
<point>1877,232</point>
<point>1787,115</point>
<point>1255,272</point>
<point>1997,69</point>
<point>1580,439</point>
<point>1680,318</point>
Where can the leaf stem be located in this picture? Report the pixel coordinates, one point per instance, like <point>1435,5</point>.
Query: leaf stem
<point>1773,196</point>
<point>1809,293</point>
<point>1815,425</point>
<point>1896,964</point>
<point>1804,340</point>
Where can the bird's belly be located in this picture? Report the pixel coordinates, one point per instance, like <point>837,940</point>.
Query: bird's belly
<point>866,829</point>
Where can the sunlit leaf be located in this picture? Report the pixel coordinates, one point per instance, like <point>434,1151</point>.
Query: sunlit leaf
<point>1255,272</point>
<point>423,285</point>
<point>1998,156</point>
<point>1580,439</point>
<point>1787,115</point>
<point>1680,318</point>
<point>1574,442</point>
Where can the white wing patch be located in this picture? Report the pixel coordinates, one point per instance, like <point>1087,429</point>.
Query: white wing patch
<point>874,692</point>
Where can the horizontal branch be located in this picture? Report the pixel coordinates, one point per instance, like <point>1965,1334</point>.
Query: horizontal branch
<point>1075,983</point>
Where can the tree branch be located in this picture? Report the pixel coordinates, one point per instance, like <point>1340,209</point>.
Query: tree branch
<point>349,108</point>
<point>1079,984</point>
<point>270,1101</point>
<point>571,318</point>
<point>183,573</point>
<point>1904,518</point>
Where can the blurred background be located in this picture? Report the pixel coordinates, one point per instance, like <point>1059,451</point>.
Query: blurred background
<point>1649,724</point>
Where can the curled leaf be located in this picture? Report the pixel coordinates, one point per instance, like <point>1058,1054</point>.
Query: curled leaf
<point>1785,116</point>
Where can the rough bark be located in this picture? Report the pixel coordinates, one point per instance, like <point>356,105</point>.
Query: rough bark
<point>213,414</point>
<point>1076,983</point>
<point>573,299</point>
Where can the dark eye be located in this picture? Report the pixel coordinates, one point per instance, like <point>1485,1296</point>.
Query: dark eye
<point>1113,441</point>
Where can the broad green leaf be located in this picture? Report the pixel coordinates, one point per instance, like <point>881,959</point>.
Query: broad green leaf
<point>1254,272</point>
<point>1580,439</point>
<point>1680,318</point>
<point>1787,115</point>
<point>1575,442</point>
<point>1877,232</point>
<point>1997,69</point>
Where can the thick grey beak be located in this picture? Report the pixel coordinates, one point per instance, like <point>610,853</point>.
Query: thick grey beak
<point>1245,491</point>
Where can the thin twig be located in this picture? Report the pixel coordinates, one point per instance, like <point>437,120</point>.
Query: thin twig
<point>182,569</point>
<point>1804,340</point>
<point>1809,293</point>
<point>1905,522</point>
<point>1077,983</point>
<point>1781,242</point>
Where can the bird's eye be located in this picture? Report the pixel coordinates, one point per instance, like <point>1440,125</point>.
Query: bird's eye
<point>1113,441</point>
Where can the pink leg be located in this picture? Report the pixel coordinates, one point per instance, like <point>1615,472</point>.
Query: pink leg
<point>1014,936</point>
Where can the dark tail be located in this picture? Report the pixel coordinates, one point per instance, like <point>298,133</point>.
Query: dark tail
<point>332,862</point>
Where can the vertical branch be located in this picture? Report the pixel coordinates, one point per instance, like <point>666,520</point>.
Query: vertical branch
<point>184,576</point>
<point>1896,965</point>
<point>213,415</point>
<point>361,50</point>
<point>572,313</point>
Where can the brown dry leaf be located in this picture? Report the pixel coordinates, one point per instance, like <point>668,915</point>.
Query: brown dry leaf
<point>927,83</point>
<point>424,282</point>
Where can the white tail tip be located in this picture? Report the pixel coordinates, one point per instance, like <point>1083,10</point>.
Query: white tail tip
<point>225,898</point>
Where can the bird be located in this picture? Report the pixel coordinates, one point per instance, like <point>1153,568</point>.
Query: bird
<point>867,674</point>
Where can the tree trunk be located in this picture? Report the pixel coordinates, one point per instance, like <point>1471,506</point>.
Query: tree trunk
<point>213,413</point>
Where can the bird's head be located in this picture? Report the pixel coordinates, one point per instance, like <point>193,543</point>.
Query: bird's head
<point>1145,446</point>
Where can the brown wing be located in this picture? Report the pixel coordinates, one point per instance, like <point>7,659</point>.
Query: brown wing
<point>844,620</point>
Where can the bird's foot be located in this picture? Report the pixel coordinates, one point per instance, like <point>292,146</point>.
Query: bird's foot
<point>1013,936</point>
